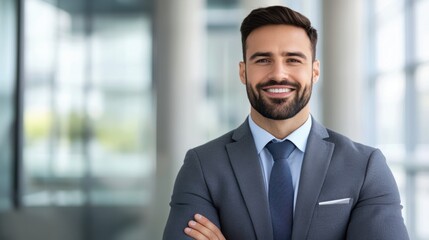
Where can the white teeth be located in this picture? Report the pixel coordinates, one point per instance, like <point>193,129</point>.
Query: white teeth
<point>278,90</point>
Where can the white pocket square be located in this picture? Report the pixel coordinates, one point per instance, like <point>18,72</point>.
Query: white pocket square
<point>336,201</point>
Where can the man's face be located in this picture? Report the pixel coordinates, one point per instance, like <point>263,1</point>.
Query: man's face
<point>279,71</point>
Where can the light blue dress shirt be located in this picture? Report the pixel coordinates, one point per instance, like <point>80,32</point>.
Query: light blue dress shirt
<point>298,137</point>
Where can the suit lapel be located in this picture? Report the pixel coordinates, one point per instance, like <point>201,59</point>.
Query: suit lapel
<point>245,163</point>
<point>314,168</point>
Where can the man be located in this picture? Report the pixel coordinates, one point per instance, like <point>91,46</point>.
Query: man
<point>240,186</point>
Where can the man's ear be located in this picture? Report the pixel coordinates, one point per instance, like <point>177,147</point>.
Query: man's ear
<point>316,70</point>
<point>242,71</point>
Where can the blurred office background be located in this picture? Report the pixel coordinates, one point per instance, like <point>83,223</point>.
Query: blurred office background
<point>100,99</point>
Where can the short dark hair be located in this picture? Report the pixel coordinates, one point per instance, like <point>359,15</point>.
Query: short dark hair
<point>276,15</point>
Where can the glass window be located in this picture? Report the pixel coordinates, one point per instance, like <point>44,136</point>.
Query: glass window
<point>390,34</point>
<point>390,90</point>
<point>422,29</point>
<point>7,80</point>
<point>41,117</point>
<point>393,81</point>
<point>382,5</point>
<point>88,104</point>
<point>422,208</point>
<point>120,109</point>
<point>226,96</point>
<point>422,87</point>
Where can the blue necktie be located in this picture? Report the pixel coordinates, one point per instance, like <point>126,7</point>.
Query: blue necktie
<point>281,191</point>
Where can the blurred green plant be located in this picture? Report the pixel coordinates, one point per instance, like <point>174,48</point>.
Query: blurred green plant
<point>119,136</point>
<point>73,127</point>
<point>111,132</point>
<point>37,125</point>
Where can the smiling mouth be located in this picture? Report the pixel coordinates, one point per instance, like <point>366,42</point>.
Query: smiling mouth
<point>279,90</point>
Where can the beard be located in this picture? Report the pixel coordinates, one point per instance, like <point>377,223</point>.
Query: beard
<point>279,109</point>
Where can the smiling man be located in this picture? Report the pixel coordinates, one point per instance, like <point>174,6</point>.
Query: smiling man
<point>281,174</point>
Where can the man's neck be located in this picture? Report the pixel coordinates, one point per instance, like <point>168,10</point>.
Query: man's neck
<point>281,128</point>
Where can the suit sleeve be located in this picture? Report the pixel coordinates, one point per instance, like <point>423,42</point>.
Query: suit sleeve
<point>190,196</point>
<point>377,214</point>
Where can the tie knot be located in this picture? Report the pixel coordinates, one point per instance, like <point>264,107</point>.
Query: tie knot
<point>280,150</point>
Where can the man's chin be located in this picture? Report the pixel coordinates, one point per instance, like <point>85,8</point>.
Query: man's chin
<point>279,117</point>
<point>277,114</point>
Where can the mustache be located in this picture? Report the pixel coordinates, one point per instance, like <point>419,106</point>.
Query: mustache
<point>277,83</point>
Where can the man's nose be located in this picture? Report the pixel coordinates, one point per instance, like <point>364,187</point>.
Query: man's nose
<point>279,71</point>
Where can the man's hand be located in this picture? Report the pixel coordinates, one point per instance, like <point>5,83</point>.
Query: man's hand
<point>202,229</point>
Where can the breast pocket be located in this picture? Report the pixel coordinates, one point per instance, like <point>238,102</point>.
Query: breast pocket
<point>330,219</point>
<point>334,213</point>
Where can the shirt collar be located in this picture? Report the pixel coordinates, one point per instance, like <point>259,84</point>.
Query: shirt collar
<point>298,137</point>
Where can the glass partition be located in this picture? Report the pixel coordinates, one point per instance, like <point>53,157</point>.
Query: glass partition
<point>422,33</point>
<point>422,82</point>
<point>8,30</point>
<point>88,103</point>
<point>401,94</point>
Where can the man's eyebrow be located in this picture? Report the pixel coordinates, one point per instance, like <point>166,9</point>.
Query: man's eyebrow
<point>295,54</point>
<point>260,54</point>
<point>285,54</point>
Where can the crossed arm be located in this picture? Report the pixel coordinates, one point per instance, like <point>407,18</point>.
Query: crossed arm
<point>202,229</point>
<point>377,213</point>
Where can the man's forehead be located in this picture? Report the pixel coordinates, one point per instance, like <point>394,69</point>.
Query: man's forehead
<point>278,39</point>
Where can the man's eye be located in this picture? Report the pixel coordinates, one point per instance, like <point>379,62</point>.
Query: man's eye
<point>293,60</point>
<point>262,60</point>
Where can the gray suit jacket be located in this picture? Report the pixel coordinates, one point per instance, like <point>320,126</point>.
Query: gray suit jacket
<point>223,180</point>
